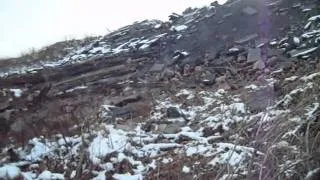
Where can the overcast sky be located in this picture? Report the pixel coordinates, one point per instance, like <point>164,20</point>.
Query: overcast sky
<point>36,23</point>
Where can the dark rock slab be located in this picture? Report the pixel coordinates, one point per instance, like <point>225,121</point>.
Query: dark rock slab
<point>173,112</point>
<point>254,55</point>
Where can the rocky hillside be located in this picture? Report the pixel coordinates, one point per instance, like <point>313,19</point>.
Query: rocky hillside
<point>222,92</point>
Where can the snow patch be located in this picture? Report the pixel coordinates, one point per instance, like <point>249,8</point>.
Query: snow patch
<point>313,18</point>
<point>9,172</point>
<point>17,92</point>
<point>38,151</point>
<point>292,78</point>
<point>186,169</point>
<point>47,175</point>
<point>101,146</point>
<point>179,28</point>
<point>127,177</point>
<point>310,77</point>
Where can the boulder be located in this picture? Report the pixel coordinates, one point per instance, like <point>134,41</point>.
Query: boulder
<point>272,61</point>
<point>259,65</point>
<point>241,58</point>
<point>221,79</point>
<point>173,112</point>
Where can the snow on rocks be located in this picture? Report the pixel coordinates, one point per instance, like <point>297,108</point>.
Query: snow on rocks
<point>157,26</point>
<point>313,174</point>
<point>9,172</point>
<point>290,96</point>
<point>103,50</point>
<point>230,157</point>
<point>127,177</point>
<point>186,169</point>
<point>76,88</point>
<point>303,52</point>
<point>154,149</point>
<point>207,131</point>
<point>313,18</point>
<point>296,41</point>
<point>310,34</point>
<point>38,151</point>
<point>101,146</point>
<point>185,92</point>
<point>47,175</point>
<point>179,28</point>
<point>17,92</point>
<point>216,125</point>
<point>292,78</point>
<point>307,26</point>
<point>310,77</point>
<point>252,87</point>
<point>311,110</point>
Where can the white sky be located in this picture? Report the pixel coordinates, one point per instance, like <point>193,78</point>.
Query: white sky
<point>36,23</point>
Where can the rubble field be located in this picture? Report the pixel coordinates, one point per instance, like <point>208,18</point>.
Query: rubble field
<point>220,92</point>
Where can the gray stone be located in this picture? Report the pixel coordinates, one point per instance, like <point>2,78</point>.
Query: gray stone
<point>247,38</point>
<point>122,112</point>
<point>227,15</point>
<point>272,61</point>
<point>209,79</point>
<point>259,65</point>
<point>221,79</point>
<point>122,101</point>
<point>297,5</point>
<point>261,99</point>
<point>6,114</point>
<point>4,105</point>
<point>129,126</point>
<point>157,68</point>
<point>161,127</point>
<point>241,58</point>
<point>173,112</point>
<point>18,126</point>
<point>249,11</point>
<point>167,73</point>
<point>171,129</point>
<point>254,55</point>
